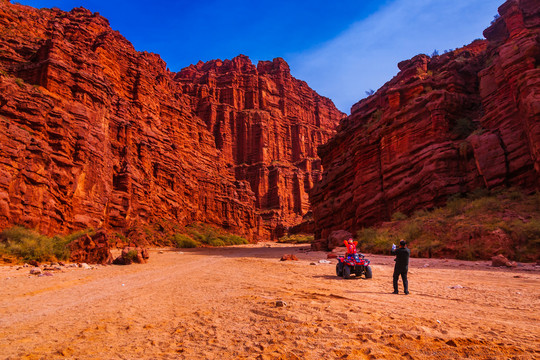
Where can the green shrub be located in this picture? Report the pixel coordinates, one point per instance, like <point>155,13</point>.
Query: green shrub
<point>375,240</point>
<point>462,228</point>
<point>215,242</point>
<point>131,255</point>
<point>376,115</point>
<point>197,232</point>
<point>525,236</point>
<point>232,239</point>
<point>184,241</point>
<point>60,248</point>
<point>536,201</point>
<point>516,194</point>
<point>420,213</point>
<point>30,245</point>
<point>456,206</point>
<point>208,235</point>
<point>478,193</point>
<point>296,239</point>
<point>410,232</point>
<point>426,245</point>
<point>484,205</point>
<point>19,82</point>
<point>121,236</point>
<point>76,235</point>
<point>397,216</point>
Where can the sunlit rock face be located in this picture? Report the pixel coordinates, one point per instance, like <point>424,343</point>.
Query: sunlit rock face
<point>267,126</point>
<point>96,134</point>
<point>446,124</point>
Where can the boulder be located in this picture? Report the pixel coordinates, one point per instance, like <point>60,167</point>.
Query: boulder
<point>36,271</point>
<point>289,257</point>
<point>132,255</point>
<point>336,238</point>
<point>319,245</point>
<point>500,260</point>
<point>93,249</point>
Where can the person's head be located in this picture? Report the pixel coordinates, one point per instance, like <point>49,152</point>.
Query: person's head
<point>350,240</point>
<point>402,243</point>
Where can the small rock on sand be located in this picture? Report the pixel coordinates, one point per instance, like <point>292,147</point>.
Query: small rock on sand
<point>36,271</point>
<point>500,260</point>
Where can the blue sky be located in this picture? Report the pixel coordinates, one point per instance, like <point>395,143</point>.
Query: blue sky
<point>340,48</point>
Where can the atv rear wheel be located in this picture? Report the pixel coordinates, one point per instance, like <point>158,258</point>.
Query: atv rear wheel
<point>346,271</point>
<point>339,269</point>
<point>369,273</point>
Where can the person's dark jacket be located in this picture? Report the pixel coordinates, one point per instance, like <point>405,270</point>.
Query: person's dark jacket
<point>402,259</point>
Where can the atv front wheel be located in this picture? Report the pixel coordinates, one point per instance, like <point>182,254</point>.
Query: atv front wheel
<point>369,273</point>
<point>339,269</point>
<point>346,271</point>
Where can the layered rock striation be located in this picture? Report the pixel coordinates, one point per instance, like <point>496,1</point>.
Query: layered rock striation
<point>96,134</point>
<point>267,126</point>
<point>447,124</point>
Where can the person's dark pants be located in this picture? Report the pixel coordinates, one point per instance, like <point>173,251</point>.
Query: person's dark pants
<point>404,278</point>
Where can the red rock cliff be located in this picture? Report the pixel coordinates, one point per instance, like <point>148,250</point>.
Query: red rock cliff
<point>267,126</point>
<point>466,119</point>
<point>96,134</point>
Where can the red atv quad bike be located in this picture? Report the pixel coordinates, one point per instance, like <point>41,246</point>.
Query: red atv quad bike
<point>355,264</point>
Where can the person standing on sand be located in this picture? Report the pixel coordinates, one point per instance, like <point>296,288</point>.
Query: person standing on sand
<point>402,265</point>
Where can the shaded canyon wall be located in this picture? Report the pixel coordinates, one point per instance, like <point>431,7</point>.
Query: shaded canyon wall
<point>446,124</point>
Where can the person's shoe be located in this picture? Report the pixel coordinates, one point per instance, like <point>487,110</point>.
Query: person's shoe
<point>406,293</point>
<point>395,292</point>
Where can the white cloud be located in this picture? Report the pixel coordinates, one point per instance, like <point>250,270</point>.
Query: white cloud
<point>366,55</point>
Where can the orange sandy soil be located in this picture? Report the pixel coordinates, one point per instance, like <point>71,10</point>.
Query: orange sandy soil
<point>221,304</point>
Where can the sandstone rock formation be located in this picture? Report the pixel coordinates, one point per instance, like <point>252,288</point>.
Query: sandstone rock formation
<point>132,255</point>
<point>267,126</point>
<point>93,249</point>
<point>289,257</point>
<point>500,260</point>
<point>467,119</point>
<point>96,134</point>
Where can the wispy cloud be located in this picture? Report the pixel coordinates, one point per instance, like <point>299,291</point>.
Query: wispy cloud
<point>366,55</point>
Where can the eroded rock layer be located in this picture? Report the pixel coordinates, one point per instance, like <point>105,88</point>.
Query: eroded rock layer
<point>96,134</point>
<point>445,124</point>
<point>267,126</point>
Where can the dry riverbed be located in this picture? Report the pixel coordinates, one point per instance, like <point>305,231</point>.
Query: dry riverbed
<point>243,303</point>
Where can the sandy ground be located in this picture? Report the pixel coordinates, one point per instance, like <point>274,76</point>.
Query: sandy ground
<point>221,304</point>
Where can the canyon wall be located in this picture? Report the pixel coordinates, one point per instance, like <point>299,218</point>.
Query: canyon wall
<point>267,126</point>
<point>446,124</point>
<point>96,134</point>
